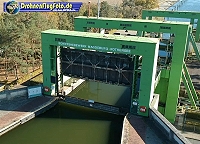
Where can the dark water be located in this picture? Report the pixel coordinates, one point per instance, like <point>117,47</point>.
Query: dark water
<point>68,124</point>
<point>104,93</point>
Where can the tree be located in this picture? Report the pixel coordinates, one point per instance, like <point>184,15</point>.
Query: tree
<point>129,9</point>
<point>106,10</point>
<point>21,39</point>
<point>147,4</point>
<point>133,8</point>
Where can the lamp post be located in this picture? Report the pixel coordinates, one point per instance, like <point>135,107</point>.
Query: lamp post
<point>89,8</point>
<point>98,9</point>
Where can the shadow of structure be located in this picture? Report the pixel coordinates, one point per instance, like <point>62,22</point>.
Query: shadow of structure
<point>147,130</point>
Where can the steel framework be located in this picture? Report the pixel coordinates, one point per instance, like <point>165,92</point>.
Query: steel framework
<point>148,48</point>
<point>169,84</point>
<point>179,14</point>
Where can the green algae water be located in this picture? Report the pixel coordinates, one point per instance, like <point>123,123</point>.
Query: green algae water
<point>70,124</point>
<point>115,95</point>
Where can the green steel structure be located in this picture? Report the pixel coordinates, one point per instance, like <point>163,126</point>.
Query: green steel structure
<point>179,14</point>
<point>146,47</point>
<point>175,14</point>
<point>169,81</point>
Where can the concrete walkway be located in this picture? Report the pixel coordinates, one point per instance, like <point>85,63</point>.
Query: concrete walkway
<point>140,130</point>
<point>17,111</point>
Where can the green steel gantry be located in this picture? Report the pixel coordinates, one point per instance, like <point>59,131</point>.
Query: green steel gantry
<point>179,14</point>
<point>146,47</point>
<point>169,84</point>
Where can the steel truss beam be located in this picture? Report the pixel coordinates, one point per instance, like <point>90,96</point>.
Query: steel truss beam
<point>181,31</point>
<point>179,14</point>
<point>148,48</point>
<point>175,14</point>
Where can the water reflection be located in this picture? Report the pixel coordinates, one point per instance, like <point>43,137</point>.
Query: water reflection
<point>105,93</point>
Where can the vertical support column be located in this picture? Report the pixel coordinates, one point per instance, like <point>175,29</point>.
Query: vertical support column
<point>46,66</point>
<point>162,88</point>
<point>59,68</point>
<point>54,72</point>
<point>144,16</point>
<point>61,72</point>
<point>197,34</point>
<point>176,72</point>
<point>188,42</point>
<point>78,26</point>
<point>192,22</point>
<point>136,60</point>
<point>147,80</point>
<point>134,95</point>
<point>150,18</point>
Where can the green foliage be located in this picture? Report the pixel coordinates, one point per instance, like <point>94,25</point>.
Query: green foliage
<point>20,35</point>
<point>147,4</point>
<point>133,8</point>
<point>106,10</point>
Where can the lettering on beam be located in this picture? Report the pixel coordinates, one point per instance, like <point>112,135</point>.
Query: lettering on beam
<point>99,48</point>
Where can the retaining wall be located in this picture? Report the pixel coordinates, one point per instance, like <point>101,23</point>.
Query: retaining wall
<point>164,125</point>
<point>9,94</point>
<point>125,131</point>
<point>29,116</point>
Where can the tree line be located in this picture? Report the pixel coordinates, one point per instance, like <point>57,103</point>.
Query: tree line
<point>20,35</point>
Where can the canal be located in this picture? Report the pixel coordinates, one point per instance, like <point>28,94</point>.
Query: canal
<point>68,124</point>
<point>115,95</point>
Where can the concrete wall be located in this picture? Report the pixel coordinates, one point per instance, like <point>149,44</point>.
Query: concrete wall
<point>125,131</point>
<point>9,94</point>
<point>43,108</point>
<point>166,127</point>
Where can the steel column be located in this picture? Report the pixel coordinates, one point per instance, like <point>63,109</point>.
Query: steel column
<point>146,47</point>
<point>175,14</point>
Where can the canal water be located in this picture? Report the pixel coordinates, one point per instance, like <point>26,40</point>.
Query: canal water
<point>68,124</point>
<point>115,95</point>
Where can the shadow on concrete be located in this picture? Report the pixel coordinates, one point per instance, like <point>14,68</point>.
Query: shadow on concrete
<point>147,130</point>
<point>23,104</point>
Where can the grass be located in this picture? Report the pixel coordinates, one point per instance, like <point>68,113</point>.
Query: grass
<point>38,79</point>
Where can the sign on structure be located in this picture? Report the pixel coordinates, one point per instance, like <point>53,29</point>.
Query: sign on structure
<point>34,91</point>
